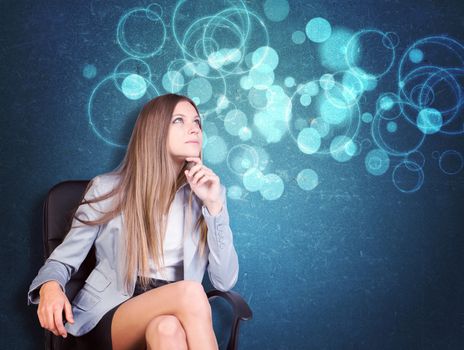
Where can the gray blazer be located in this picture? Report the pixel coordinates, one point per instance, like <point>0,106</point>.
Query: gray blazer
<point>103,289</point>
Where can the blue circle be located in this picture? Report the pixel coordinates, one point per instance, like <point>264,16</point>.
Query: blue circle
<point>392,126</point>
<point>234,121</point>
<point>305,100</point>
<point>332,52</point>
<point>377,162</point>
<point>134,86</point>
<point>263,57</point>
<point>272,187</point>
<point>416,157</point>
<point>173,81</point>
<point>298,37</point>
<point>139,49</point>
<point>318,30</point>
<point>309,140</point>
<point>253,179</point>
<point>200,90</point>
<point>413,168</point>
<point>246,83</point>
<point>245,134</point>
<point>234,192</point>
<point>367,117</point>
<point>416,55</point>
<point>154,9</point>
<point>109,123</point>
<point>429,121</point>
<point>448,156</point>
<point>342,148</point>
<point>307,179</point>
<point>89,71</point>
<point>386,103</point>
<point>289,82</point>
<point>276,10</point>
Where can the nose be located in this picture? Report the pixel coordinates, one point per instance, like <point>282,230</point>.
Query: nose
<point>195,127</point>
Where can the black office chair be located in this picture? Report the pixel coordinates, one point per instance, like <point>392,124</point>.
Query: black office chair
<point>58,208</point>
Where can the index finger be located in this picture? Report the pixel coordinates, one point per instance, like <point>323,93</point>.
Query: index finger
<point>59,322</point>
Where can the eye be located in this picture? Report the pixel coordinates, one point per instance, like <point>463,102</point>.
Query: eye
<point>197,120</point>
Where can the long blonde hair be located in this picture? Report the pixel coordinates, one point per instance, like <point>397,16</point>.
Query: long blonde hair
<point>146,190</point>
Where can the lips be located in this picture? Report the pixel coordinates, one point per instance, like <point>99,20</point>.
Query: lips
<point>192,142</point>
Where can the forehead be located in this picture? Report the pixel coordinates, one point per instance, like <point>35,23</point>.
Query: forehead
<point>185,108</point>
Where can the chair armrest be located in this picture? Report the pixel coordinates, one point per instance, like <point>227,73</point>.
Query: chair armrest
<point>239,306</point>
<point>240,309</point>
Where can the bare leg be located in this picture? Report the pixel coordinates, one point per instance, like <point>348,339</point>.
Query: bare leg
<point>165,333</point>
<point>186,300</point>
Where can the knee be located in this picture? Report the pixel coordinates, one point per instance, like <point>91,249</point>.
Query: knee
<point>194,299</point>
<point>164,327</point>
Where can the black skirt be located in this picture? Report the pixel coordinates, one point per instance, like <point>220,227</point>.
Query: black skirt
<point>100,336</point>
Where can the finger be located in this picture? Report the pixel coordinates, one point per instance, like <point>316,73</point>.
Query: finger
<point>204,179</point>
<point>59,322</point>
<point>198,164</point>
<point>206,170</point>
<point>49,323</point>
<point>195,169</point>
<point>198,176</point>
<point>39,315</point>
<point>68,312</point>
<point>192,162</point>
<point>201,175</point>
<point>192,172</point>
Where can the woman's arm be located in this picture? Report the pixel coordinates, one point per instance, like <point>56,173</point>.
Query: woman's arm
<point>223,260</point>
<point>66,259</point>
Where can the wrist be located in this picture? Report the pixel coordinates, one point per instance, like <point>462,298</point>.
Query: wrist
<point>213,207</point>
<point>50,285</point>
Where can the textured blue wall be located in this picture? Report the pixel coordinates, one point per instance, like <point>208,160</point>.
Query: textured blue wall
<point>337,128</point>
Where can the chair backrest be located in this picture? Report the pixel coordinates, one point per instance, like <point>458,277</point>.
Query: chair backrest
<point>59,206</point>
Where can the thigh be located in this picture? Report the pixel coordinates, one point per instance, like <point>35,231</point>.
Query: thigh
<point>133,316</point>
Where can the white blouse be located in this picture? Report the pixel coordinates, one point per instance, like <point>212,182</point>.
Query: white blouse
<point>173,243</point>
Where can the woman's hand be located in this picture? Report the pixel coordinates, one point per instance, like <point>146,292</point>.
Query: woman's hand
<point>50,310</point>
<point>206,185</point>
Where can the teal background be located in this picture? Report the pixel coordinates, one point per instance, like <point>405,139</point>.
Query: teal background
<point>352,264</point>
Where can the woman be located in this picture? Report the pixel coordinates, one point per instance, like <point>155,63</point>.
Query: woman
<point>141,295</point>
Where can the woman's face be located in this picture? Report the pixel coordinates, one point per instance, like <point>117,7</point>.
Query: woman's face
<point>185,137</point>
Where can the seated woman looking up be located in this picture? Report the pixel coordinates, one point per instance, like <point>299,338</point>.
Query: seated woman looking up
<point>158,222</point>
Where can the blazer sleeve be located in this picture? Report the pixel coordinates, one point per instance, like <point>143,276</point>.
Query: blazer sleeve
<point>66,259</point>
<point>222,258</point>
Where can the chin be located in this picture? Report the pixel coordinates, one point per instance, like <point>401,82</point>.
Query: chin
<point>188,154</point>
<point>192,154</point>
